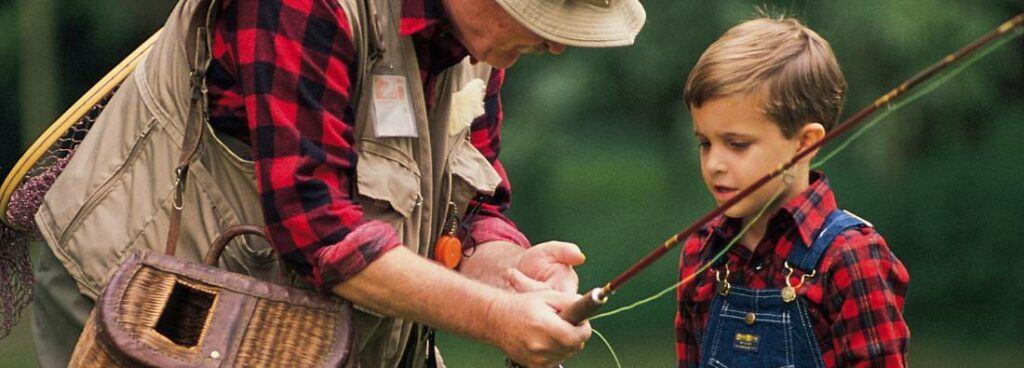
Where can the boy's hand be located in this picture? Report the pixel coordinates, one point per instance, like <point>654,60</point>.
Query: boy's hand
<point>549,265</point>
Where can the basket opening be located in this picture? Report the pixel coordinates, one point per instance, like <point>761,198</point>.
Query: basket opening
<point>184,317</point>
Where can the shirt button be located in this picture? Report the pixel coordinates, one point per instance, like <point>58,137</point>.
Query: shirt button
<point>758,266</point>
<point>750,319</point>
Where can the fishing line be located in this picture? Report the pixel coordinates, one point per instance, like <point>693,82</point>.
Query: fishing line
<point>922,90</point>
<point>703,267</point>
<point>891,106</point>
<point>725,249</point>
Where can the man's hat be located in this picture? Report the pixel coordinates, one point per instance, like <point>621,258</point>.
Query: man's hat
<point>582,23</point>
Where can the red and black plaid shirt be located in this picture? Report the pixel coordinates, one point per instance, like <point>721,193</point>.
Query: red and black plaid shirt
<point>281,80</point>
<point>855,301</point>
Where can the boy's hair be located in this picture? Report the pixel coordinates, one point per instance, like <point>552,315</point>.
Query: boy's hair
<point>783,60</point>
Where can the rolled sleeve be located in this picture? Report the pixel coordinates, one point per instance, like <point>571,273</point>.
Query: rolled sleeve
<point>292,60</point>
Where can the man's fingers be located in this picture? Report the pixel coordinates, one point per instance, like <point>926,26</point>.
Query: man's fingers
<point>567,283</point>
<point>567,253</point>
<point>523,284</point>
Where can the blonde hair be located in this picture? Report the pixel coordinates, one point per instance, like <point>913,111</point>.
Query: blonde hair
<point>790,65</point>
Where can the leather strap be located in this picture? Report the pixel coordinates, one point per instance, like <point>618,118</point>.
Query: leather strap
<point>194,122</point>
<point>221,241</point>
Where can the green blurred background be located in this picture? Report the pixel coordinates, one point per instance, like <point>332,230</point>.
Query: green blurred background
<point>600,152</point>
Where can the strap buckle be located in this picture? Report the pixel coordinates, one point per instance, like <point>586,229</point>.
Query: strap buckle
<point>179,187</point>
<point>723,281</point>
<point>789,292</point>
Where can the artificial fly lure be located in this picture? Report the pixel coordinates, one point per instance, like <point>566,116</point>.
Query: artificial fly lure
<point>587,307</point>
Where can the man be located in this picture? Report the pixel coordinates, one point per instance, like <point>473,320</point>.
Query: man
<point>359,119</point>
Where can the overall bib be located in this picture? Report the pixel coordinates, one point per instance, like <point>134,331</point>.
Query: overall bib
<point>770,328</point>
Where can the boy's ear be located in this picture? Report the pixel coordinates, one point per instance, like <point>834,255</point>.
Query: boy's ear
<point>808,135</point>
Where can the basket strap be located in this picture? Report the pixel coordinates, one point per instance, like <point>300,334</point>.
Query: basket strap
<point>221,241</point>
<point>194,120</point>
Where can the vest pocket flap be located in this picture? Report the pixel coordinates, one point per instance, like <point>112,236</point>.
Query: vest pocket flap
<point>470,165</point>
<point>382,178</point>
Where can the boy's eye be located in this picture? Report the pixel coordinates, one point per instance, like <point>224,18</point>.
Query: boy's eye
<point>704,145</point>
<point>739,145</point>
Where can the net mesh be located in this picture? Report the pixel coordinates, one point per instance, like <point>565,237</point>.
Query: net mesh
<point>15,264</point>
<point>15,277</point>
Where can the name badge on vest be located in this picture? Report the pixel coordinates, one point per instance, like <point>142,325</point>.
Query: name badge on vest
<point>392,107</point>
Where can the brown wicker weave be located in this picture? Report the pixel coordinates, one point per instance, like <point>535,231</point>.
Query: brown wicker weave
<point>164,312</point>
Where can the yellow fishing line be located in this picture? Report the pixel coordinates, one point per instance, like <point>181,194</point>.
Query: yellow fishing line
<point>702,268</point>
<point>609,346</point>
<point>921,90</point>
<point>890,108</point>
<point>686,279</point>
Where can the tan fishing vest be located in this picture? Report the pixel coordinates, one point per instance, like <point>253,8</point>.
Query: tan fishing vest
<point>116,194</point>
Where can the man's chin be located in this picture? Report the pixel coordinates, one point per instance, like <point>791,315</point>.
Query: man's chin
<point>503,64</point>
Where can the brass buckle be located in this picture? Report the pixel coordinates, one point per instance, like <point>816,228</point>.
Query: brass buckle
<point>789,292</point>
<point>723,282</point>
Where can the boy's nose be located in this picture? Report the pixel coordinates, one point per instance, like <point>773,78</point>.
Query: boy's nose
<point>714,165</point>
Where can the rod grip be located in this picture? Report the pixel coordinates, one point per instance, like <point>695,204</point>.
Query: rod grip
<point>584,308</point>
<point>580,310</point>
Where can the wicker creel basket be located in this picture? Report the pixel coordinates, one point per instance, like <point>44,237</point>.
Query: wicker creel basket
<point>161,311</point>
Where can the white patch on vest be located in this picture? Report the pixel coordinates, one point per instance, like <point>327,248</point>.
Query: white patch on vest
<point>467,105</point>
<point>392,107</point>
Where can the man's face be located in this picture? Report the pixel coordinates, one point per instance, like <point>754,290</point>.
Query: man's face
<point>491,35</point>
<point>511,40</point>
<point>739,144</point>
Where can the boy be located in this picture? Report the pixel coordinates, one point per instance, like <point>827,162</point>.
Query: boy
<point>807,285</point>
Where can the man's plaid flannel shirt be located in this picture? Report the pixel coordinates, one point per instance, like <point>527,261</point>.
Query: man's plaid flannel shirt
<point>280,80</point>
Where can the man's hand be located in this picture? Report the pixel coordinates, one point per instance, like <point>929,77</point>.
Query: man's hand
<point>542,267</point>
<point>524,325</point>
<point>530,331</point>
<point>550,265</point>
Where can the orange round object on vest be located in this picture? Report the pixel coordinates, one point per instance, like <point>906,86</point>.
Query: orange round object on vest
<point>448,251</point>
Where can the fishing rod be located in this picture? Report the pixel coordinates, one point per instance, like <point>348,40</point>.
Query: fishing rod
<point>588,305</point>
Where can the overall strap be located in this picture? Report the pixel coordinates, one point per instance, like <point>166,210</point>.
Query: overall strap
<point>194,123</point>
<point>805,258</point>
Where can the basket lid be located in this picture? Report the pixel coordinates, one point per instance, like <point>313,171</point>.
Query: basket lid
<point>153,297</point>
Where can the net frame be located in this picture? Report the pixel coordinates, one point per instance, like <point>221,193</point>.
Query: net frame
<point>47,143</point>
<point>34,174</point>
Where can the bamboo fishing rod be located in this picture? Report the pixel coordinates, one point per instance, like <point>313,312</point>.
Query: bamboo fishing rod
<point>588,305</point>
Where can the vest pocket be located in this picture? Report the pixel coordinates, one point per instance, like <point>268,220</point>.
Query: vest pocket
<point>475,174</point>
<point>386,177</point>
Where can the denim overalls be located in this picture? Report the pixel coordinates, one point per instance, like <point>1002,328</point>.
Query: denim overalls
<point>769,327</point>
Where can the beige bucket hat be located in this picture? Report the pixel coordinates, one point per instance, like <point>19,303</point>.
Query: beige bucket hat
<point>582,23</point>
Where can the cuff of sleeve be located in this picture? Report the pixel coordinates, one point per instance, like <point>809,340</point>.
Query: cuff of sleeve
<point>488,229</point>
<point>360,247</point>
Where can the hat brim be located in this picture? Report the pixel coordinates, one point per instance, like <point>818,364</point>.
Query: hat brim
<point>576,23</point>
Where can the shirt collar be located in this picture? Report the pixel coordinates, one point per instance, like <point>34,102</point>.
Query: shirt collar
<point>427,23</point>
<point>807,212</point>
<point>420,15</point>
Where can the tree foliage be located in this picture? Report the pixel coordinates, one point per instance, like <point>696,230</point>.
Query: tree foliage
<point>599,147</point>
